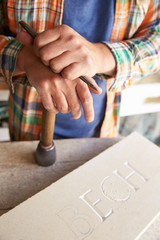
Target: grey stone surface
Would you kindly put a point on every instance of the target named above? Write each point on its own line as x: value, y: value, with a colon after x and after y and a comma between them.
x: 21, y: 177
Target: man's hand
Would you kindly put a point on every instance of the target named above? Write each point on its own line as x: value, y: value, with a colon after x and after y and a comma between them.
x: 57, y: 93
x: 71, y: 55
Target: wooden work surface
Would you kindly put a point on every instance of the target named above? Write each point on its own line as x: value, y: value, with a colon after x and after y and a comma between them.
x: 21, y: 177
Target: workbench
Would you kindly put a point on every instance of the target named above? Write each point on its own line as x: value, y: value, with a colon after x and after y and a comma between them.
x: 21, y: 177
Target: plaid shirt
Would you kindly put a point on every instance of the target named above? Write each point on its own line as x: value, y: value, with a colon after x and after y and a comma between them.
x: 135, y: 43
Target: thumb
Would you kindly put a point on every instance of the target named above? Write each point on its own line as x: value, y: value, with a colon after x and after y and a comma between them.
x: 24, y: 38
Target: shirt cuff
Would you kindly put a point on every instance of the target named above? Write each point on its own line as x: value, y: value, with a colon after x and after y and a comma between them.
x: 8, y: 57
x: 124, y: 62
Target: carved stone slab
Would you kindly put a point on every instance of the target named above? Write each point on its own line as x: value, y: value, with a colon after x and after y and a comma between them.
x: 114, y: 196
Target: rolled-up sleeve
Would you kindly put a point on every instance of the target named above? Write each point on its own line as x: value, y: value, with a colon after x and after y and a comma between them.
x: 137, y: 57
x: 9, y: 48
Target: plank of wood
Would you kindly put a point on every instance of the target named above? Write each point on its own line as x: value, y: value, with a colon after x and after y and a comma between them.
x: 114, y: 196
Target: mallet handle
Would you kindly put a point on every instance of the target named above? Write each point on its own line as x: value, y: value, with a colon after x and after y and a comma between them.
x: 48, y: 122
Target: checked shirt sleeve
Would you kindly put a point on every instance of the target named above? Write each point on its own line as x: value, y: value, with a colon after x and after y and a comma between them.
x: 137, y: 57
x: 9, y: 48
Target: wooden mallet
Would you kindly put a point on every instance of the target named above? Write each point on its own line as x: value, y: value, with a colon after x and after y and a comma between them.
x: 46, y: 152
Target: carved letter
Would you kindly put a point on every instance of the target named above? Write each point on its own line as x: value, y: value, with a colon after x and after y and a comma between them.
x: 126, y: 179
x: 114, y: 189
x: 79, y: 224
x: 92, y: 206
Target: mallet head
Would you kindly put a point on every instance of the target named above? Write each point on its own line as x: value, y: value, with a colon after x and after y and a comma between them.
x: 45, y: 156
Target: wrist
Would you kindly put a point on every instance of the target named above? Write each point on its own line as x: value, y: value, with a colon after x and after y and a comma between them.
x: 106, y: 60
x: 19, y: 63
x: 24, y: 55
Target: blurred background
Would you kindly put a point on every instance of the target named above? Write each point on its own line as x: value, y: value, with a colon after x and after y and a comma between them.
x: 140, y: 109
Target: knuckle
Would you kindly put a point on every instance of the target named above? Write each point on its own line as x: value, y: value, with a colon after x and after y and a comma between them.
x: 47, y: 104
x: 44, y: 86
x: 73, y: 40
x: 87, y: 99
x: 63, y: 109
x: 54, y: 67
x: 43, y: 54
x: 48, y: 107
x: 66, y: 74
x: 82, y: 50
x: 65, y: 29
x: 74, y: 107
x: 69, y: 33
x: 88, y: 61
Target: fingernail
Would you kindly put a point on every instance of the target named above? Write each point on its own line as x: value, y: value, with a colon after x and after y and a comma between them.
x: 76, y: 115
x: 90, y: 119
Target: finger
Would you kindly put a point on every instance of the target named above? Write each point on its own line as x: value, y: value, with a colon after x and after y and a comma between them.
x: 60, y: 38
x: 48, y: 103
x: 45, y: 38
x: 69, y: 62
x: 57, y: 48
x: 24, y: 38
x: 61, y: 102
x: 81, y: 65
x: 72, y: 71
x: 53, y: 34
x: 59, y: 63
x: 86, y: 101
x: 73, y: 103
x: 75, y: 69
x: 50, y: 51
